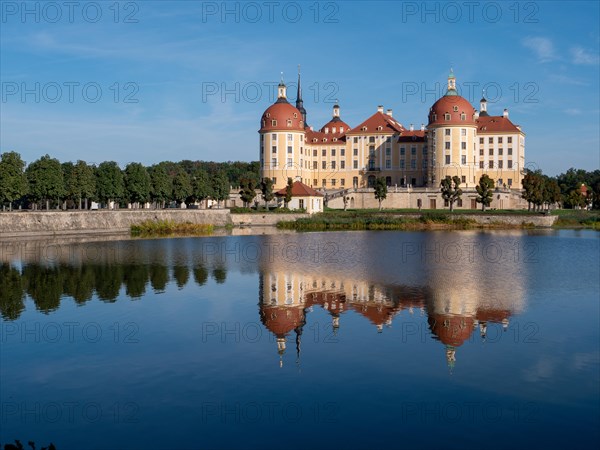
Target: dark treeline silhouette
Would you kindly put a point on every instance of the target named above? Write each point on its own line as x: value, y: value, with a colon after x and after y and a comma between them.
x: 49, y: 184
x: 47, y: 285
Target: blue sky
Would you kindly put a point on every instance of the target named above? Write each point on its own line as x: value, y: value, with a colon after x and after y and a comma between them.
x: 149, y: 81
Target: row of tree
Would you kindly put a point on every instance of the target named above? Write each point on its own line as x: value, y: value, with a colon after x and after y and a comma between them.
x: 73, y: 185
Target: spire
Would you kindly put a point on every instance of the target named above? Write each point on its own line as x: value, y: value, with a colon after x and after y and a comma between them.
x: 451, y: 84
x: 299, y: 102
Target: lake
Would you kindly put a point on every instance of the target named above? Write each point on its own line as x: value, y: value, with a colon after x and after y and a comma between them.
x: 349, y: 340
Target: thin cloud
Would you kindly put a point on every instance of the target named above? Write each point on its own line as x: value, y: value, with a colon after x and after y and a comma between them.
x: 582, y: 56
x: 542, y: 47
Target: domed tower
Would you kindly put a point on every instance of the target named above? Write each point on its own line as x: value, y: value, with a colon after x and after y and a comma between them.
x: 282, y: 140
x: 452, y: 131
x: 336, y: 125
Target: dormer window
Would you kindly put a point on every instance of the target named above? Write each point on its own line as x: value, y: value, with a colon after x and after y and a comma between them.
x: 379, y: 128
x: 326, y: 130
x: 334, y: 139
x: 301, y: 124
x: 455, y: 108
x: 364, y: 128
x: 295, y: 115
x: 264, y: 123
x: 434, y: 117
x: 341, y: 129
x: 333, y: 130
x: 446, y: 116
x: 268, y: 115
x: 289, y: 123
x: 463, y: 116
x: 273, y: 123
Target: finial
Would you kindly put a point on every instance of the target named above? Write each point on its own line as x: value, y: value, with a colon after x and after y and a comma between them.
x: 281, y: 77
x: 298, y: 69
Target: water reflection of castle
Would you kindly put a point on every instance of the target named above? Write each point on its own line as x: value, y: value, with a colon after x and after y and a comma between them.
x: 453, y: 311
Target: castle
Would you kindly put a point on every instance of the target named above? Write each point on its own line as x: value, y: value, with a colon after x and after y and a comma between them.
x: 458, y: 141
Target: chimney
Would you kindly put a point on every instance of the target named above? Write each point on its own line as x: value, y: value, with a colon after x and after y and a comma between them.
x: 326, y: 130
x: 380, y: 108
x: 389, y: 112
x: 505, y: 113
x: 476, y: 115
x: 412, y: 128
x: 422, y: 127
x: 311, y: 128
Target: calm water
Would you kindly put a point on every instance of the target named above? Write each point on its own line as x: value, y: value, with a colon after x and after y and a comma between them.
x: 319, y: 340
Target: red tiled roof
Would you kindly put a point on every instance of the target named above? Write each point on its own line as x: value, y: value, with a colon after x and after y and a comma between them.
x: 281, y: 112
x: 445, y: 105
x: 388, y: 125
x: 412, y: 136
x: 311, y: 135
x: 337, y: 124
x: 451, y: 330
x: 299, y: 189
x: 495, y: 124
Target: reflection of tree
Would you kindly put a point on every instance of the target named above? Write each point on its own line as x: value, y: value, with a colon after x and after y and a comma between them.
x: 136, y: 277
x: 219, y: 274
x: 78, y: 282
x: 200, y: 275
x: 181, y: 275
x: 159, y: 277
x: 44, y: 286
x: 108, y: 281
x: 11, y: 292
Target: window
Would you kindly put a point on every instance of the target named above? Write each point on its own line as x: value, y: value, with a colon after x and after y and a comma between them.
x: 388, y: 164
x: 323, y: 152
x: 333, y: 152
x: 273, y: 123
x: 490, y: 140
x: 424, y: 151
x: 314, y: 166
x: 491, y: 152
x: 274, y: 149
x: 447, y: 145
x: 447, y: 159
x: 323, y: 165
x: 274, y: 137
x: 301, y: 148
x: 455, y: 108
x: 355, y: 164
x: 500, y: 140
x: 509, y: 181
x: 481, y: 140
x: 355, y: 140
x: 463, y: 159
x: 424, y: 164
x: 459, y: 201
x: 509, y: 163
x: 333, y: 164
x: 388, y: 139
x: 500, y: 164
x: 463, y: 131
x: 447, y: 131
x: 491, y: 164
x: 402, y: 151
x: 289, y: 123
x: 463, y: 179
x: 290, y: 163
x: 500, y: 151
x: 402, y: 164
x: 315, y: 153
x: 371, y: 139
x: 342, y: 152
x: 446, y: 116
x: 481, y: 164
x: 333, y: 181
x: 388, y: 151
x: 289, y: 149
x: 301, y: 203
x: 290, y: 137
x: 413, y: 163
x: 480, y: 152
x: 509, y: 140
x: 342, y: 164
x: 463, y: 116
x: 274, y: 162
x: 413, y: 151
x: 510, y: 150
x: 324, y: 182
x: 342, y: 181
x: 274, y: 180
x: 355, y: 152
x: 315, y: 182
x: 372, y: 150
x: 463, y: 145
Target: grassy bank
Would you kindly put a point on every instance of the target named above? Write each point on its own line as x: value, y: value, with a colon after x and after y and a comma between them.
x: 150, y: 228
x: 572, y: 218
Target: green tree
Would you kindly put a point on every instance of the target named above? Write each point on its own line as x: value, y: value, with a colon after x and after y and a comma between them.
x: 45, y: 178
x: 182, y: 186
x: 266, y: 188
x: 532, y: 188
x: 161, y: 185
x: 137, y: 184
x: 109, y: 182
x: 288, y: 192
x: 13, y: 182
x: 220, y: 188
x: 201, y: 186
x: 451, y: 191
x: 551, y: 192
x: 485, y: 191
x: 248, y: 192
x: 87, y: 182
x: 380, y: 190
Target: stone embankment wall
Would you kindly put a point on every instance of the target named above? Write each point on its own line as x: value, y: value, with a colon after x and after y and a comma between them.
x: 264, y: 219
x: 24, y: 223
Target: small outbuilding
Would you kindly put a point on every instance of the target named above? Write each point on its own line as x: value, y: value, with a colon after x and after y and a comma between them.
x: 303, y: 197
